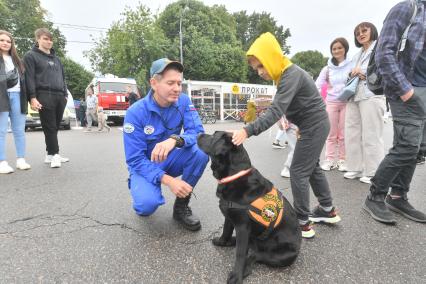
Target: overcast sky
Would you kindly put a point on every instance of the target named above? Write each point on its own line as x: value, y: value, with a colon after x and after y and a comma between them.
x: 313, y: 23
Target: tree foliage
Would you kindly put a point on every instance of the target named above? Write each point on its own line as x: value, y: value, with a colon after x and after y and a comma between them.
x: 211, y: 50
x: 76, y: 76
x: 21, y: 18
x: 312, y: 61
x: 213, y: 41
x: 130, y: 46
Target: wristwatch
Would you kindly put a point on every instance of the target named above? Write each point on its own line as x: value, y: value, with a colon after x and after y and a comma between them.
x: 179, y: 140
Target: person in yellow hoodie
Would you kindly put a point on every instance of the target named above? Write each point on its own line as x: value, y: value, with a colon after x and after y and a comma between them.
x: 298, y: 98
x: 251, y: 112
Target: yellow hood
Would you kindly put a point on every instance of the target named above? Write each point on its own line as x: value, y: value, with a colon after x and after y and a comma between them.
x: 268, y: 51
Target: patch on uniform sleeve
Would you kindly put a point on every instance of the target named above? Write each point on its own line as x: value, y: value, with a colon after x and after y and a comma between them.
x: 128, y: 128
x: 192, y: 108
x: 149, y: 129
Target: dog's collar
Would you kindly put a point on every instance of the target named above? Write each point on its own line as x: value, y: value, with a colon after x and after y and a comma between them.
x: 234, y: 177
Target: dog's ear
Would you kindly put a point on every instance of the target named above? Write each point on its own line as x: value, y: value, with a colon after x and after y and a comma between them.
x: 204, y: 142
x: 222, y: 143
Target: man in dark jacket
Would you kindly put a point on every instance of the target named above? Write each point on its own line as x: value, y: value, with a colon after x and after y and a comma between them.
x: 47, y: 91
x: 404, y: 84
x: 131, y: 96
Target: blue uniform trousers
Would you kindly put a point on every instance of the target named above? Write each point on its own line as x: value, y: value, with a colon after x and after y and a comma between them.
x: 187, y: 162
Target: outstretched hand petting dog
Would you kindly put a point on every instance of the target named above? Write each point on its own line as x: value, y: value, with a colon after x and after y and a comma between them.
x: 238, y: 136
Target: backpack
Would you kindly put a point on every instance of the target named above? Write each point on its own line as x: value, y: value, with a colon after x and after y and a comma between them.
x: 374, y: 78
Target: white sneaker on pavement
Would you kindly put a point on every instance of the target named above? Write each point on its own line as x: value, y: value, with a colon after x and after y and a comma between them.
x: 21, y: 164
x: 285, y: 172
x: 48, y: 159
x: 5, y: 168
x: 365, y: 179
x: 56, y: 161
x: 352, y: 175
x: 328, y: 165
x: 341, y: 166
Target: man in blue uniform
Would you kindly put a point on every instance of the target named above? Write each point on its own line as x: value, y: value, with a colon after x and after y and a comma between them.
x: 156, y: 150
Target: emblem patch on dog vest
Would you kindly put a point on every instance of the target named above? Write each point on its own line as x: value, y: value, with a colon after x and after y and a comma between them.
x: 267, y: 209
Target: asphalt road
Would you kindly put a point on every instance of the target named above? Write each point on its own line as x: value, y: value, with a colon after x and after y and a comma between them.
x: 76, y: 225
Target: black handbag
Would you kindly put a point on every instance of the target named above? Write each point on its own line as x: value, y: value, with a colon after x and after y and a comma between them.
x: 12, y: 78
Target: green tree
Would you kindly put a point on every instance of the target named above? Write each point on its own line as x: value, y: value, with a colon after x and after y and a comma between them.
x: 130, y: 46
x: 312, y: 61
x: 22, y: 17
x: 76, y: 76
x: 211, y: 50
x: 250, y: 27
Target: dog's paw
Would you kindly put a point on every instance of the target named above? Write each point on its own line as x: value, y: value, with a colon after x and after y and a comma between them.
x: 251, y: 259
x: 233, y: 278
x: 220, y: 242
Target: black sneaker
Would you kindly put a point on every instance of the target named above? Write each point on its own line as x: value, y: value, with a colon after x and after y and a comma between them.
x: 320, y: 215
x: 277, y: 145
x: 375, y: 206
x: 403, y: 207
x: 420, y: 159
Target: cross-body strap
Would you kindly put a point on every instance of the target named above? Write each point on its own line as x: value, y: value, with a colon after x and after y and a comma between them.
x: 404, y: 37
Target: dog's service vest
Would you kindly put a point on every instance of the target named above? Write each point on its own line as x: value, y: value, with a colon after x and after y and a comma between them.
x: 267, y: 210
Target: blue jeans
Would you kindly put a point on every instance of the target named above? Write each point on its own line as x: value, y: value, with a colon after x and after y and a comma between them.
x: 17, y: 120
x: 189, y: 162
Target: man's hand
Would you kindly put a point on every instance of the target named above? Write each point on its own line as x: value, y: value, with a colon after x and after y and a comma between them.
x: 162, y: 150
x: 407, y: 96
x: 35, y: 105
x: 179, y: 187
x: 239, y: 136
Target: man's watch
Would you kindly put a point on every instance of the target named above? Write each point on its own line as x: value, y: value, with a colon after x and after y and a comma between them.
x: 180, y: 142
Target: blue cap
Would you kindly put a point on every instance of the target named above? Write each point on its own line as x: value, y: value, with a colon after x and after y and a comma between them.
x: 159, y: 65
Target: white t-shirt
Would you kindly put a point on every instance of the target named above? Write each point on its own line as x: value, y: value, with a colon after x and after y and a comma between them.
x: 8, y: 64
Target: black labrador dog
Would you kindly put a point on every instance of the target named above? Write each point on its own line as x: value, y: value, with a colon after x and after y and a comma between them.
x: 263, y: 219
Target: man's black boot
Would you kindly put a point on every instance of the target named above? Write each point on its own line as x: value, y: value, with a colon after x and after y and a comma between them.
x: 376, y: 207
x: 183, y: 214
x: 401, y: 205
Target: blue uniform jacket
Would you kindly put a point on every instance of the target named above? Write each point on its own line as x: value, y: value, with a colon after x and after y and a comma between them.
x: 147, y: 124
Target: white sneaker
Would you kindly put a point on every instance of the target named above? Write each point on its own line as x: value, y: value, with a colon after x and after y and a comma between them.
x: 341, y: 166
x: 5, y: 168
x: 352, y: 175
x: 48, y: 159
x: 56, y: 161
x: 21, y: 164
x: 365, y: 179
x: 285, y: 172
x: 328, y: 165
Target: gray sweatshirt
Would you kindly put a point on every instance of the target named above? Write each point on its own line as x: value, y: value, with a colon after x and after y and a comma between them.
x: 298, y: 98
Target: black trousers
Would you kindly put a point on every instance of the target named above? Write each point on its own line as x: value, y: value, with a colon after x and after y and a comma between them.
x: 397, y: 168
x: 53, y: 106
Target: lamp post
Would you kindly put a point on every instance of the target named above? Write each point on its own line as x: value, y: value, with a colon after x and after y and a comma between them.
x: 180, y: 34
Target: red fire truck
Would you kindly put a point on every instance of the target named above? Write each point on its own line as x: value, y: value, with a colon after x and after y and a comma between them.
x: 111, y: 93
